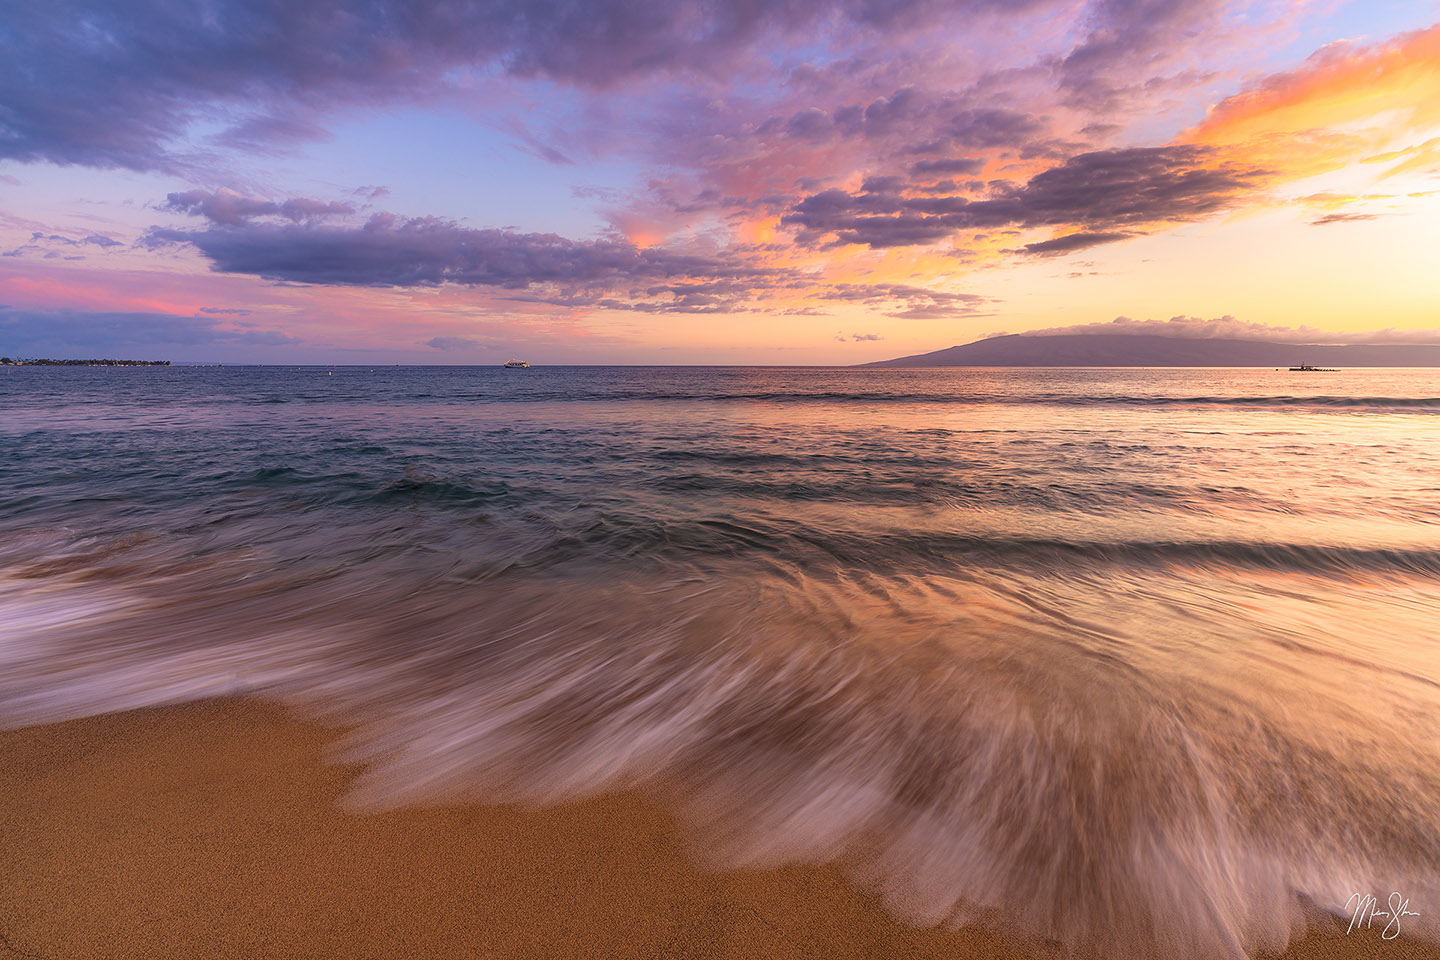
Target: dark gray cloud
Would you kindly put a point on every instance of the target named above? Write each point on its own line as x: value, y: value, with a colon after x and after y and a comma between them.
x: 1071, y: 242
x: 1099, y: 190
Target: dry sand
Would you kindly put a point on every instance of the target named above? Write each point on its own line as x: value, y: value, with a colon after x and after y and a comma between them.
x: 212, y: 830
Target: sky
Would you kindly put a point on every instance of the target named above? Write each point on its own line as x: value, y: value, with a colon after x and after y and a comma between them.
x: 699, y: 181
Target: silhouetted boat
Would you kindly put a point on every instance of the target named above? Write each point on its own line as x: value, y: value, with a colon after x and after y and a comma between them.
x: 516, y: 363
x: 1306, y: 368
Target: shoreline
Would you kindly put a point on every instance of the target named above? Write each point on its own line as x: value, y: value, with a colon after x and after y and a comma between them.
x: 215, y: 829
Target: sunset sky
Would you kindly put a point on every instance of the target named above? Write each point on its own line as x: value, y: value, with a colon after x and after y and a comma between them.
x: 631, y: 181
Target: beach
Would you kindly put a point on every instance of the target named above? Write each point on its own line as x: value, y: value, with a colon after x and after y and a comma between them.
x: 829, y: 478
x: 219, y: 829
x: 658, y: 662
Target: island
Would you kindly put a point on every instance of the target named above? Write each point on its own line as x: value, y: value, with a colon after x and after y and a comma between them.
x: 46, y: 362
x: 1148, y: 350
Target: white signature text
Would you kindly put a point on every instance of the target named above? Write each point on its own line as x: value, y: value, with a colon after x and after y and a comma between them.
x: 1367, y: 908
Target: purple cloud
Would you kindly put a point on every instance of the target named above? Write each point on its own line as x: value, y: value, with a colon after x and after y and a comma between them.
x: 608, y: 273
x: 1124, y: 35
x: 116, y: 85
x: 1096, y: 190
x: 907, y: 300
x: 953, y: 165
x: 233, y: 209
x: 40, y: 241
x: 387, y: 250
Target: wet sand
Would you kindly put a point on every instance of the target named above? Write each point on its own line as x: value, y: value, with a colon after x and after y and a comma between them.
x: 216, y: 830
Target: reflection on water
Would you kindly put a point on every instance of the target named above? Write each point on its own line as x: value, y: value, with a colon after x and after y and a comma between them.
x: 1138, y: 661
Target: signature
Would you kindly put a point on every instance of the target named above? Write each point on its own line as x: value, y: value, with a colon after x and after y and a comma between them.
x: 1367, y: 908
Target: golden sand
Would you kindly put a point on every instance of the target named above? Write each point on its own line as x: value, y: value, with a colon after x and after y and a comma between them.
x: 215, y: 830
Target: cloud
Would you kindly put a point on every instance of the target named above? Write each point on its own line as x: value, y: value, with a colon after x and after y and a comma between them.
x: 424, y: 251
x: 43, y: 244
x: 263, y: 134
x: 961, y: 165
x: 232, y: 208
x: 391, y: 251
x: 1342, y: 218
x: 1346, y: 103
x: 119, y: 85
x: 1072, y: 242
x: 1229, y: 328
x: 906, y: 300
x: 1095, y: 190
x: 530, y: 268
x: 66, y: 332
x: 452, y: 343
x: 1128, y: 41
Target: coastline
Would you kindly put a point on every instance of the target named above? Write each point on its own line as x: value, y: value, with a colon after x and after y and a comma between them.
x: 215, y: 829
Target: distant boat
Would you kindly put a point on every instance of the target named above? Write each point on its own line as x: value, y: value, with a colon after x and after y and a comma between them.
x: 1306, y: 368
x: 512, y: 362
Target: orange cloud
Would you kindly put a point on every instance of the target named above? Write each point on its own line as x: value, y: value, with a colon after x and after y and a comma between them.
x: 1342, y: 104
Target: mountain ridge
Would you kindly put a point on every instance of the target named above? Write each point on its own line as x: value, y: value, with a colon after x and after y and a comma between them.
x: 1149, y: 350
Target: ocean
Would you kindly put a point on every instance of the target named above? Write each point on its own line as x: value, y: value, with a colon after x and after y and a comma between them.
x: 1137, y: 661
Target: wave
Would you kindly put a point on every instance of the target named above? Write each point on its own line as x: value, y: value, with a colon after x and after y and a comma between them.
x: 1139, y: 690
x: 1415, y: 404
x: 971, y: 750
x: 820, y: 552
x: 957, y: 395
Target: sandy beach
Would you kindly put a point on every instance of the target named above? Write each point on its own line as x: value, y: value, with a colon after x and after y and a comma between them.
x: 216, y: 829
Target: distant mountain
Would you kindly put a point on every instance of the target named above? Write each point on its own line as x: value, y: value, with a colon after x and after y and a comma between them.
x: 1140, y: 350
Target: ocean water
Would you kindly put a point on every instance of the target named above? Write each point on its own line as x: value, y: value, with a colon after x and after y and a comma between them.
x: 1143, y: 662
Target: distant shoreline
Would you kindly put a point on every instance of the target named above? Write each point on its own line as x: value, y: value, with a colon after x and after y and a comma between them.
x: 46, y: 362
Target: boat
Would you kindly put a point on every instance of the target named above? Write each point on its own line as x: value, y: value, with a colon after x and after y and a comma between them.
x: 517, y: 364
x: 1306, y: 368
